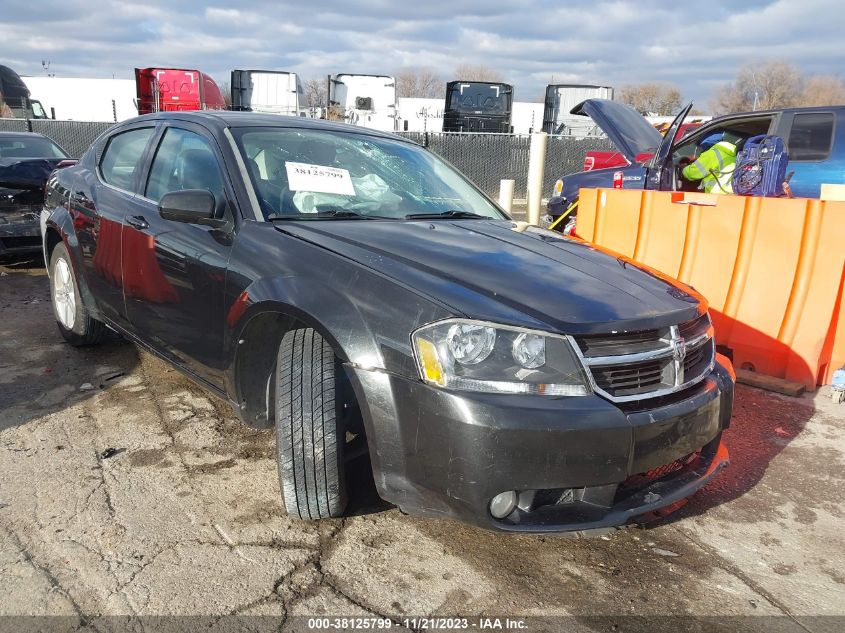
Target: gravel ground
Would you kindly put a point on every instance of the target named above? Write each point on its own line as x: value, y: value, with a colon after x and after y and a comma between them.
x: 127, y: 490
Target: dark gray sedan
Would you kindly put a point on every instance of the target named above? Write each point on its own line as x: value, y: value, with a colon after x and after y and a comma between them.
x: 354, y: 291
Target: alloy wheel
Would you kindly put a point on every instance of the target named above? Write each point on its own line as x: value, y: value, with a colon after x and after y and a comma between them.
x: 64, y: 295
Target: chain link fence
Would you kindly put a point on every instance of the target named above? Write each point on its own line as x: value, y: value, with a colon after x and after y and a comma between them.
x: 485, y: 159
x: 74, y: 136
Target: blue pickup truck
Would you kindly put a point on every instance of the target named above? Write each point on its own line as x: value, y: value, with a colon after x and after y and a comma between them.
x: 815, y: 141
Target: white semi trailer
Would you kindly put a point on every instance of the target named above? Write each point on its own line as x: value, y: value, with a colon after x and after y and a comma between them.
x: 85, y: 99
x: 561, y: 98
x: 271, y: 91
x: 365, y: 100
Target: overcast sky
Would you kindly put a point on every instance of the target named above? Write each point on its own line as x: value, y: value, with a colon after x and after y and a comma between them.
x: 696, y: 45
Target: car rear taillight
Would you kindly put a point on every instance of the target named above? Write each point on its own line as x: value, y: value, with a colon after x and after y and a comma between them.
x: 589, y: 163
x: 618, y: 179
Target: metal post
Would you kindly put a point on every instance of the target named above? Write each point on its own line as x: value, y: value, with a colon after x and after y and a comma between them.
x: 506, y: 194
x: 536, y: 165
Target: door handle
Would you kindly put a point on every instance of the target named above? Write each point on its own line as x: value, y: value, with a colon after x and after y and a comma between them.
x: 138, y: 222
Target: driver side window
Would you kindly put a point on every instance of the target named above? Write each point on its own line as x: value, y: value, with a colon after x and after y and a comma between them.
x: 184, y: 160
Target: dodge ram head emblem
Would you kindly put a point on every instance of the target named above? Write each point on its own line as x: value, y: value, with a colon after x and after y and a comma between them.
x: 679, y: 353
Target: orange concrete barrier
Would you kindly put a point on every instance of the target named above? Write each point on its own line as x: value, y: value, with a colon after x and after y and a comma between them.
x: 773, y: 269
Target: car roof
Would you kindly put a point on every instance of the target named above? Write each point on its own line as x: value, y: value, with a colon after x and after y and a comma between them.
x: 217, y: 120
x: 796, y: 110
x: 4, y: 134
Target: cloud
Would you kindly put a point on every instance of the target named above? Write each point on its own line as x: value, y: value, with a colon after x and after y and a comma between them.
x: 533, y: 42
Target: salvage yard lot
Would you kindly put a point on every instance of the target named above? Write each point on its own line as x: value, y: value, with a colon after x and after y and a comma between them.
x: 126, y: 489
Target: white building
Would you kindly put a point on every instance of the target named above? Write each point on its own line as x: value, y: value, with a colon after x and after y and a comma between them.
x: 83, y: 99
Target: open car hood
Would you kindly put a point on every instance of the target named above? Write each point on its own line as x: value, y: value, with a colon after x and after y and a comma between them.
x: 628, y: 129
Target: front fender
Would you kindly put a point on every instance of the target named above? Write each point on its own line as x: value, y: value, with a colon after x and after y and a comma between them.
x: 366, y: 318
x: 333, y: 315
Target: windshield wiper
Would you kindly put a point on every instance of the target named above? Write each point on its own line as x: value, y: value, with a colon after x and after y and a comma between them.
x: 332, y: 213
x: 446, y: 214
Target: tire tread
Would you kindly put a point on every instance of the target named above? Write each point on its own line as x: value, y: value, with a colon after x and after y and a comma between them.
x: 308, y: 438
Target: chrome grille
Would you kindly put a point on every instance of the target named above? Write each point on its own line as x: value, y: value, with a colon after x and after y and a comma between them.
x: 650, y: 363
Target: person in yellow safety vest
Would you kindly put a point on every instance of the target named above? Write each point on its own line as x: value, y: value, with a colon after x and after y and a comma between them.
x: 715, y: 166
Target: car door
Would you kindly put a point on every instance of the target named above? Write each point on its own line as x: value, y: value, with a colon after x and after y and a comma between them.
x: 661, y: 172
x: 174, y: 272
x: 809, y: 138
x: 98, y: 202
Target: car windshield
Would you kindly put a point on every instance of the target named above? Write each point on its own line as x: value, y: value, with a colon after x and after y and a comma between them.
x: 29, y: 148
x: 317, y: 174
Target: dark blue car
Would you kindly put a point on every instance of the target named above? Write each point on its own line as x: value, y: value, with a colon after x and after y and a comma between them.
x: 815, y: 140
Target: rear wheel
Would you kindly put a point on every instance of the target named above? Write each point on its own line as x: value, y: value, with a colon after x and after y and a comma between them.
x: 309, y: 434
x: 73, y: 319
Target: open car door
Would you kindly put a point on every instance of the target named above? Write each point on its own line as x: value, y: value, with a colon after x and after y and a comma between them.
x: 661, y: 176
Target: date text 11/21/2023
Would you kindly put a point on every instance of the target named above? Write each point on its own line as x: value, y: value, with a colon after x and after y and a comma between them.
x: 425, y: 623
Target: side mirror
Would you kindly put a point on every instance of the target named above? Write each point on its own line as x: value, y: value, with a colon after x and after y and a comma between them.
x: 192, y: 206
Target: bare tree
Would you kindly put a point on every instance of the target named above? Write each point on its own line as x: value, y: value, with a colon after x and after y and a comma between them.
x: 477, y: 72
x: 652, y: 98
x: 316, y: 92
x: 419, y: 82
x: 823, y: 90
x: 226, y: 91
x: 761, y: 86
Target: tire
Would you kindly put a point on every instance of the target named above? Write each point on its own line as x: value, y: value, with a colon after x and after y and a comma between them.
x: 73, y: 318
x: 309, y: 437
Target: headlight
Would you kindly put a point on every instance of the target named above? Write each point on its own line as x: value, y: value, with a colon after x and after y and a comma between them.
x: 558, y: 187
x: 478, y: 356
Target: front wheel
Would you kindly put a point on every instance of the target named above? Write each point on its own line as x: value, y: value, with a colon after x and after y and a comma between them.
x: 309, y: 434
x: 75, y: 323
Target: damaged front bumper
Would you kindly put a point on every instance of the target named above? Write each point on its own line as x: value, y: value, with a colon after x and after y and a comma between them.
x: 20, y: 230
x: 577, y: 463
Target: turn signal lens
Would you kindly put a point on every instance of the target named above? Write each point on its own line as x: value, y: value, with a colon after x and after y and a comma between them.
x: 431, y: 366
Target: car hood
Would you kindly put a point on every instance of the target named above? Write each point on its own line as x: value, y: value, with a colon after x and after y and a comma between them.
x: 487, y: 270
x: 26, y: 173
x: 628, y: 129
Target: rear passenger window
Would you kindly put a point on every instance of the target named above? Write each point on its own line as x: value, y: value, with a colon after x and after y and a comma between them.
x: 811, y: 136
x: 122, y: 157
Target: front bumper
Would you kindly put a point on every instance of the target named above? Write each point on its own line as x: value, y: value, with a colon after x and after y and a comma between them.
x: 442, y: 453
x: 20, y: 230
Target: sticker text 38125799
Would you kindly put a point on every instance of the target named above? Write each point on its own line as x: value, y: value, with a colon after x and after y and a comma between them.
x: 319, y: 179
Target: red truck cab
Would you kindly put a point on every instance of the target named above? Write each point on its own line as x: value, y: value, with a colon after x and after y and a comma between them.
x: 169, y: 89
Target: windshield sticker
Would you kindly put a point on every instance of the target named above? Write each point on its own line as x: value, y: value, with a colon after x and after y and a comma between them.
x: 319, y: 179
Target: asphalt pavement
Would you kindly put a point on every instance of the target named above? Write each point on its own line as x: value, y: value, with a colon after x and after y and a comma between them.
x: 125, y: 490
